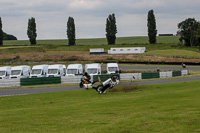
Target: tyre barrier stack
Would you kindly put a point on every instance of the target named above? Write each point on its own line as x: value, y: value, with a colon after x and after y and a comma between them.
x: 76, y: 79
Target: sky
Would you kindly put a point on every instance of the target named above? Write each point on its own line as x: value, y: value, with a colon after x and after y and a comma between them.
x: 90, y: 16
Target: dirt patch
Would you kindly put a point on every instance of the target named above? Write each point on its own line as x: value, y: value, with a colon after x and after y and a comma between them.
x: 85, y: 56
x: 125, y: 89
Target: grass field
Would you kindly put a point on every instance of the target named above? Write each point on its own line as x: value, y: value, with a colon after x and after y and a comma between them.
x: 172, y: 107
x: 99, y: 41
x: 168, y: 49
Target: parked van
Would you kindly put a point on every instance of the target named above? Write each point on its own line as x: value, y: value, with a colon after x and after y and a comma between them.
x: 5, y: 72
x: 39, y: 71
x: 64, y: 70
x: 20, y: 72
x: 112, y: 68
x: 74, y: 69
x: 93, y: 69
x: 55, y: 70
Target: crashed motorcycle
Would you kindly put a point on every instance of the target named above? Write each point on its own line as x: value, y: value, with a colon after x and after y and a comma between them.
x: 103, y: 86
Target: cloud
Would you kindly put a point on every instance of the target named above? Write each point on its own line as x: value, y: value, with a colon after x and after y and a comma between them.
x: 90, y: 16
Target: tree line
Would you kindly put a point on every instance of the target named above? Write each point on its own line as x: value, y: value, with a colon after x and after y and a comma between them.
x: 189, y: 30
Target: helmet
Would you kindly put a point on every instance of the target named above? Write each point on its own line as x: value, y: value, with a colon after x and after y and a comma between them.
x: 85, y: 74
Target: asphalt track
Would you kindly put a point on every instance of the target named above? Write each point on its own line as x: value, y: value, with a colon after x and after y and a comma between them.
x: 24, y: 91
x: 161, y: 67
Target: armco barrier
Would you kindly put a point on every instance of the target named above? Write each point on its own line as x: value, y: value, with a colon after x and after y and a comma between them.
x: 40, y: 81
x: 149, y: 75
x: 176, y: 73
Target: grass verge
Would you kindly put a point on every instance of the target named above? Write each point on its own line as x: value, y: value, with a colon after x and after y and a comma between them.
x: 171, y: 107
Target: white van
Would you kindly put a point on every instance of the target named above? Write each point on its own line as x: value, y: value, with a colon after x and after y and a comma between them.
x: 20, y: 72
x: 55, y: 70
x: 74, y: 69
x: 64, y: 70
x: 5, y: 72
x: 112, y: 68
x: 39, y: 71
x: 93, y: 69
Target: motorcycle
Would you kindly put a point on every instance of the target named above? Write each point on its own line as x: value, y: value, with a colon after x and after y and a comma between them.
x: 103, y: 86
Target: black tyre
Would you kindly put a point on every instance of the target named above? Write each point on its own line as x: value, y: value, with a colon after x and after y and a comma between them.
x: 81, y: 85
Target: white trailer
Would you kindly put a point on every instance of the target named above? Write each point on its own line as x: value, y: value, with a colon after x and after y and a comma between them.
x: 93, y: 69
x: 5, y: 72
x: 97, y: 51
x: 112, y: 68
x: 20, y: 72
x: 55, y: 70
x: 74, y: 69
x: 39, y: 71
x: 127, y: 50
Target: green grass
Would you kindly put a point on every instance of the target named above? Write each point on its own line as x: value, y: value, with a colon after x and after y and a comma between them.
x: 172, y: 107
x: 175, y: 53
x: 99, y: 41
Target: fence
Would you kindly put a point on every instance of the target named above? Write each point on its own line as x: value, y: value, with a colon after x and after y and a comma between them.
x: 76, y: 79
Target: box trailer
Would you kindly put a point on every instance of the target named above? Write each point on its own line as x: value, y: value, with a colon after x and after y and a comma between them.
x: 55, y: 70
x: 97, y: 51
x: 39, y: 71
x: 74, y: 69
x: 5, y: 72
x: 20, y: 72
x: 112, y: 68
x: 93, y: 69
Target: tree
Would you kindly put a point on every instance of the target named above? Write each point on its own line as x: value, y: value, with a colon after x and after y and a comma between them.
x: 31, y: 31
x: 197, y: 34
x: 111, y: 29
x: 8, y: 37
x: 151, y: 24
x: 1, y: 33
x: 71, y: 31
x: 188, y: 29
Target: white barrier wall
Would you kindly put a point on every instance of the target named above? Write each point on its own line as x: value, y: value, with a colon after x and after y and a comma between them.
x: 76, y: 79
x: 184, y: 72
x: 9, y: 82
x: 130, y: 76
x: 70, y: 79
x: 166, y: 74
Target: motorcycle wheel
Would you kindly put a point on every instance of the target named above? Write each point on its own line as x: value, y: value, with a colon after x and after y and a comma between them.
x: 81, y: 85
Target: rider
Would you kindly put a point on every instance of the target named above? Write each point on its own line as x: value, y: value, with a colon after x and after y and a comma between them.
x: 86, y: 78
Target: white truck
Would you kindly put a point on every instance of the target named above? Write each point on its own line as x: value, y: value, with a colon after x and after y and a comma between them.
x: 93, y: 69
x: 74, y: 69
x: 55, y: 70
x: 39, y: 71
x: 112, y: 68
x: 5, y: 72
x: 20, y: 72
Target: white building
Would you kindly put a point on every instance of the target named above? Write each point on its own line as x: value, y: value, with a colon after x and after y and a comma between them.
x: 127, y: 50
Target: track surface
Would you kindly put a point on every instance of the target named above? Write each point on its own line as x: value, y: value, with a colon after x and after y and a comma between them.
x: 18, y: 91
x: 161, y: 67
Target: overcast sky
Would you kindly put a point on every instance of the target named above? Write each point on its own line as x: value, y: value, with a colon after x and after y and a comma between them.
x: 90, y: 16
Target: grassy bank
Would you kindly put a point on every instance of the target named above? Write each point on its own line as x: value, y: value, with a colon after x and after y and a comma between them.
x: 171, y: 107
